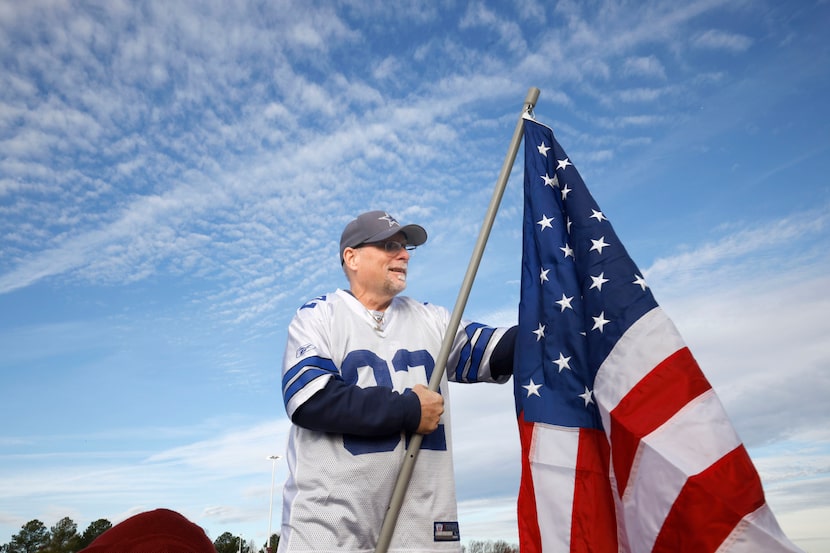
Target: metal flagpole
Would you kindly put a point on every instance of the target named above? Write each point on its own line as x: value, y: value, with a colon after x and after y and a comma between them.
x: 405, y: 474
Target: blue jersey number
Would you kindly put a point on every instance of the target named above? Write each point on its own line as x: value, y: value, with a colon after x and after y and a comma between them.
x: 401, y: 361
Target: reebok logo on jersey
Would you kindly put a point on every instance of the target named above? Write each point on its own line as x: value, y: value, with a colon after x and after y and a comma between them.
x: 446, y: 531
x: 302, y: 350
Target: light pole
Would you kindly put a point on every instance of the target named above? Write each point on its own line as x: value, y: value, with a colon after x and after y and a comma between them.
x: 274, y: 459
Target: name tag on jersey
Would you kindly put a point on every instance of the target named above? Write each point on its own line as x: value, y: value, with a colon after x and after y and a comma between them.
x: 446, y: 531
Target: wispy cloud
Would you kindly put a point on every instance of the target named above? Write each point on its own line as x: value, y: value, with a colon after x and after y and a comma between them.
x: 740, y: 302
x: 121, y: 478
x: 644, y: 66
x: 762, y: 240
x: 147, y: 234
x: 719, y: 40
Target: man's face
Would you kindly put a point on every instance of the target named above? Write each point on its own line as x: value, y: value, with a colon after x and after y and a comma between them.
x: 382, y: 272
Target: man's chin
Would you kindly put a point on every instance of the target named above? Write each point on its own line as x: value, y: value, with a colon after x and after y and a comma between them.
x: 396, y: 287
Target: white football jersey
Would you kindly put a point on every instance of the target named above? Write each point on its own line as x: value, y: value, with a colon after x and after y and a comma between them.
x: 339, y: 486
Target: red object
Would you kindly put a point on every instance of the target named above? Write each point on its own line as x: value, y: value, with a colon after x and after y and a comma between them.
x: 159, y: 531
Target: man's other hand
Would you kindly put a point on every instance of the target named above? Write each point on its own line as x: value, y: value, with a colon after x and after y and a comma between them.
x: 432, y: 407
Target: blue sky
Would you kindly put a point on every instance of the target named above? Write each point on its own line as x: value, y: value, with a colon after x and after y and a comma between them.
x: 174, y: 178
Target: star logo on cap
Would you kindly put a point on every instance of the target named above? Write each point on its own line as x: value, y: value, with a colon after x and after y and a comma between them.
x: 389, y: 219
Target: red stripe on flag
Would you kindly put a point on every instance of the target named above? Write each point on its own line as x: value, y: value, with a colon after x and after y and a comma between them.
x: 648, y: 405
x: 529, y: 535
x: 594, y: 526
x: 711, y: 504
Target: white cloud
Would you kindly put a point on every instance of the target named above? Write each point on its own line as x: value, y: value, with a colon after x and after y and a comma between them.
x: 101, y: 484
x: 531, y: 10
x: 644, y: 66
x: 509, y: 32
x: 720, y: 40
x: 770, y: 236
x: 642, y: 94
x: 742, y: 316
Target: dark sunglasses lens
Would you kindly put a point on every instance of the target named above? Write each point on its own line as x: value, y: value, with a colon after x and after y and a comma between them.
x: 393, y: 247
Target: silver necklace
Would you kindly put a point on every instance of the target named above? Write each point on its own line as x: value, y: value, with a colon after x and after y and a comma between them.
x: 378, y: 317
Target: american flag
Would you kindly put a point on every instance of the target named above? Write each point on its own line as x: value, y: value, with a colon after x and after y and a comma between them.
x: 626, y: 446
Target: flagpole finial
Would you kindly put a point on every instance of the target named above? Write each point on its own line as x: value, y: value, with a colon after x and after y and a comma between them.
x: 531, y: 99
x: 532, y: 96
x: 530, y: 102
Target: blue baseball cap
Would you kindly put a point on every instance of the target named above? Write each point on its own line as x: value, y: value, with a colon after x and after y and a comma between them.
x: 374, y: 226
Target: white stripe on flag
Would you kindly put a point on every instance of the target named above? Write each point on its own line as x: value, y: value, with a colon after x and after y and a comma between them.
x: 758, y: 531
x: 552, y: 459
x: 697, y: 436
x: 646, y: 344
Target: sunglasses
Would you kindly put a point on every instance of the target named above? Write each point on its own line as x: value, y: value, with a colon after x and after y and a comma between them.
x: 390, y: 246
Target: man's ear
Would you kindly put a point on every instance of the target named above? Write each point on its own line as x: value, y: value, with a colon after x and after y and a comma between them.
x: 350, y: 258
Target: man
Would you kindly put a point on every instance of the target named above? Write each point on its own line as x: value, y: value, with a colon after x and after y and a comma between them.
x: 355, y: 374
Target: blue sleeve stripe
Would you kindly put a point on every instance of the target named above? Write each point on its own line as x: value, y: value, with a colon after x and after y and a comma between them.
x: 322, y: 363
x: 304, y: 372
x: 299, y: 383
x: 465, y: 351
x: 478, y: 352
x: 473, y: 352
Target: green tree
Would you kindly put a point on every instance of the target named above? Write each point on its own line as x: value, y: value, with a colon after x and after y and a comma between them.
x: 228, y: 543
x: 33, y: 537
x: 63, y: 537
x: 92, y: 531
x: 274, y: 542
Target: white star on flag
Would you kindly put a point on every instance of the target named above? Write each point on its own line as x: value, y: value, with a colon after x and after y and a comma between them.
x: 563, y: 362
x: 543, y: 276
x: 597, y: 215
x: 543, y: 149
x: 552, y: 182
x: 598, y: 245
x: 565, y: 303
x: 545, y: 222
x: 532, y: 389
x: 539, y: 332
x: 598, y: 281
x: 599, y: 321
x: 588, y: 396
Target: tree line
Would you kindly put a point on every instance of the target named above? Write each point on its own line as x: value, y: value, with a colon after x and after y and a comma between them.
x: 63, y: 537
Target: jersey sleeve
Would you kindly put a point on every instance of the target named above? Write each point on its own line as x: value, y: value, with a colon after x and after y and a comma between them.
x: 307, y: 364
x: 473, y: 349
x: 347, y: 409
